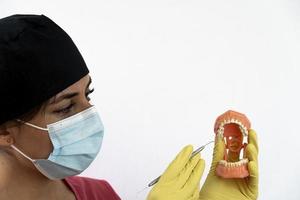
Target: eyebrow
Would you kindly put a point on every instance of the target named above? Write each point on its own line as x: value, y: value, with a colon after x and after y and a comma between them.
x: 70, y: 95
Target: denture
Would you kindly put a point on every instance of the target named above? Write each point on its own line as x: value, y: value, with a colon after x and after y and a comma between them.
x: 233, y: 127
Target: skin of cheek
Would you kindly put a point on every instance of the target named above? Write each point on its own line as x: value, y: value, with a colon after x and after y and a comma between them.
x: 33, y: 142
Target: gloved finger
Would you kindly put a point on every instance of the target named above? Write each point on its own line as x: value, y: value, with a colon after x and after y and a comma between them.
x: 176, y: 166
x: 253, y: 171
x: 186, y: 172
x: 194, y: 179
x: 252, y: 139
x: 219, y: 151
x: 251, y: 152
x: 196, y: 193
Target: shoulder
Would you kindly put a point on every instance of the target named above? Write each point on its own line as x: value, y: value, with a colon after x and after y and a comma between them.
x: 91, y: 189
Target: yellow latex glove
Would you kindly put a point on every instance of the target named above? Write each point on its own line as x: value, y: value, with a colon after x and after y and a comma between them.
x: 217, y: 188
x: 181, y: 179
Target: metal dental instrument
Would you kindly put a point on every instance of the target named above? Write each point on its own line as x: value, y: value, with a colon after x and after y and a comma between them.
x: 193, y: 154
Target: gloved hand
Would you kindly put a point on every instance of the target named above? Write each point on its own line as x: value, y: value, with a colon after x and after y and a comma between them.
x: 217, y: 188
x: 181, y: 179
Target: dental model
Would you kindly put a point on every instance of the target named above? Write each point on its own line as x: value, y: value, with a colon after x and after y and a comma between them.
x: 233, y: 127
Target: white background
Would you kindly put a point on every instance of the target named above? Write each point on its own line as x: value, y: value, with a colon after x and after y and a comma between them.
x: 164, y: 70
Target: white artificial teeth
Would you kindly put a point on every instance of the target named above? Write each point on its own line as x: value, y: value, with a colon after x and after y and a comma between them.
x: 234, y: 164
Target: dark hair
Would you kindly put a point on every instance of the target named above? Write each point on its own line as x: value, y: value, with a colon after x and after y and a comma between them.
x: 25, y: 117
x: 29, y: 115
x: 40, y: 107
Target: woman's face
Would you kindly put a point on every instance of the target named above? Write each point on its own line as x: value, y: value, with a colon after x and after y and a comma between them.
x: 36, y: 143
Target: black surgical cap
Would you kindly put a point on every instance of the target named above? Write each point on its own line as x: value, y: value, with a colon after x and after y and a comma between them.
x: 38, y: 59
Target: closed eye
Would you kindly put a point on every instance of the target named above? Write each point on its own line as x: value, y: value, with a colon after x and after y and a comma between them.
x: 65, y: 110
x: 68, y: 108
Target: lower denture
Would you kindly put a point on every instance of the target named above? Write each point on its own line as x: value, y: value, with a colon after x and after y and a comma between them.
x: 232, y: 170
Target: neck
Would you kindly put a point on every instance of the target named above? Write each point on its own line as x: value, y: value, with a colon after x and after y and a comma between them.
x: 20, y: 178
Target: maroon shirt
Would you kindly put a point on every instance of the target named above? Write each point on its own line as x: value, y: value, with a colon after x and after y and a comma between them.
x: 91, y: 189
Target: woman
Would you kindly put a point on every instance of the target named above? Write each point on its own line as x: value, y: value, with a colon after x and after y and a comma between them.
x: 44, y: 109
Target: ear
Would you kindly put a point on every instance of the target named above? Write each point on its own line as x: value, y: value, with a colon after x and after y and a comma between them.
x: 6, y: 138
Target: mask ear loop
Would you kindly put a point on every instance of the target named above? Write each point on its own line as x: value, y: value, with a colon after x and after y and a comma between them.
x: 32, y: 125
x: 15, y: 148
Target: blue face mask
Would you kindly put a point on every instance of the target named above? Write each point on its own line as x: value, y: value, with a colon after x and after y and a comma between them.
x: 76, y: 142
